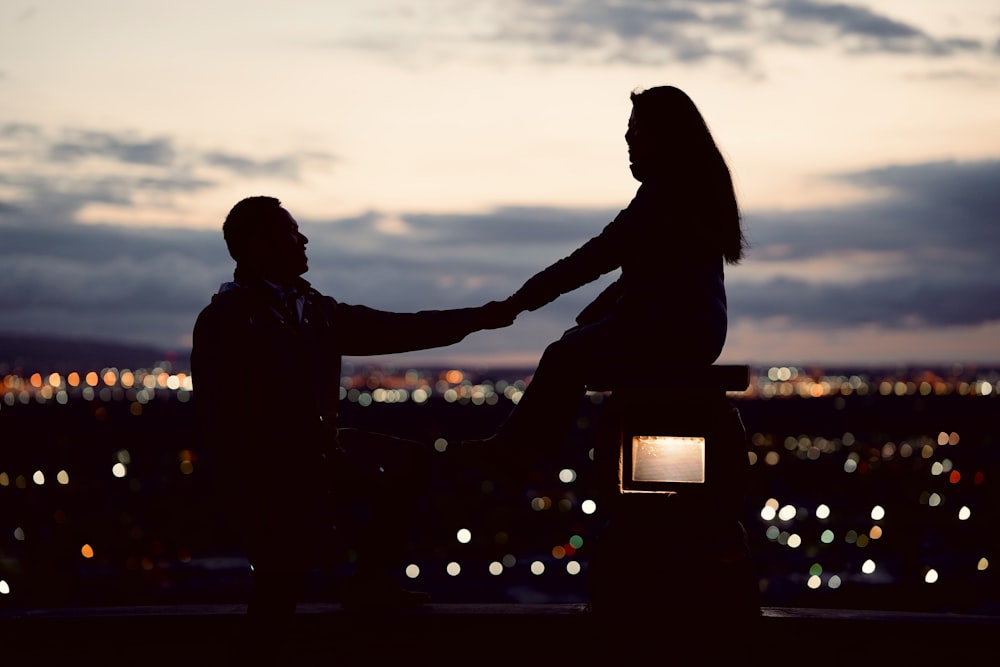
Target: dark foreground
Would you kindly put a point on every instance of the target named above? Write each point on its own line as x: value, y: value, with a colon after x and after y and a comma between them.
x: 492, y: 634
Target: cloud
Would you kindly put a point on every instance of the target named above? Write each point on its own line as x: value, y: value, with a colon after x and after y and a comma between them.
x: 83, y: 144
x: 862, y: 30
x: 922, y: 252
x: 918, y: 255
x: 146, y: 285
x: 44, y: 200
x: 60, y: 172
x: 287, y: 167
x: 631, y: 31
x: 112, y: 283
x: 562, y: 31
x: 542, y: 226
x: 26, y: 14
x: 446, y: 260
x: 647, y: 34
x: 929, y: 210
x: 903, y: 302
x: 104, y: 149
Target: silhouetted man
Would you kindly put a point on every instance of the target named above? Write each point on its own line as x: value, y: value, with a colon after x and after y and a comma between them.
x: 266, y: 361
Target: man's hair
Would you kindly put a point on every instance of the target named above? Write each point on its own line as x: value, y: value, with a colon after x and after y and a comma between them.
x: 246, y: 221
x: 685, y: 149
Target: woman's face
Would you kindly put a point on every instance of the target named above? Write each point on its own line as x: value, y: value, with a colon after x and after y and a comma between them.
x: 632, y: 136
x: 638, y: 147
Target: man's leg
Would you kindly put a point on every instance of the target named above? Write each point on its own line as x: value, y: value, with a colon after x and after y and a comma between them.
x: 270, y: 617
x: 378, y: 488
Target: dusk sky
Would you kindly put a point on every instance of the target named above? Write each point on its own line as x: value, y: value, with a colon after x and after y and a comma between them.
x: 438, y: 153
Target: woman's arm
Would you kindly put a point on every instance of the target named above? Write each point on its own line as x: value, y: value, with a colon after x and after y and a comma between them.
x: 599, y: 255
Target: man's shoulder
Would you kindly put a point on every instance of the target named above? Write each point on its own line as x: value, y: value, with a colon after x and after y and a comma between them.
x: 232, y: 293
x: 228, y: 296
x: 231, y: 300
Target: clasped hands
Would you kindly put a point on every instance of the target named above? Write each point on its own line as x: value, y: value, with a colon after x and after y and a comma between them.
x: 499, y: 314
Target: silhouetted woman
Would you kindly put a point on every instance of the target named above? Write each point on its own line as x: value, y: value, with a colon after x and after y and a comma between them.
x: 668, y: 307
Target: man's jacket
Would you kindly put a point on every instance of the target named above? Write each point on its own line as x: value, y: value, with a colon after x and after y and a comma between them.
x: 267, y: 387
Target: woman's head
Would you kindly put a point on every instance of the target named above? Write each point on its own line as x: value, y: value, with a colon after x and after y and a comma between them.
x: 667, y: 130
x: 669, y: 140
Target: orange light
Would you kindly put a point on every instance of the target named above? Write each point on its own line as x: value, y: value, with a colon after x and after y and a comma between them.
x: 87, y: 551
x: 954, y: 477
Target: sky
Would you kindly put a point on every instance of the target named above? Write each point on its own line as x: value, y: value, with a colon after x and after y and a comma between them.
x: 439, y: 153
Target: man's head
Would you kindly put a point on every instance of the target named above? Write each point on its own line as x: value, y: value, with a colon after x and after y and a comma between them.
x: 264, y: 239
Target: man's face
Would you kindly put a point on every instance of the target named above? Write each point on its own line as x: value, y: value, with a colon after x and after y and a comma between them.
x: 284, y: 247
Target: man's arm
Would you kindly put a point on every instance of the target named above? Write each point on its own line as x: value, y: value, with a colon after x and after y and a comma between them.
x: 366, y: 331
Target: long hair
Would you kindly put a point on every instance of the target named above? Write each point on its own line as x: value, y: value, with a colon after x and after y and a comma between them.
x: 681, y: 148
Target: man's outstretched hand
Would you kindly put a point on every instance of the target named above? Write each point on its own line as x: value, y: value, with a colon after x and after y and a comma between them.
x: 498, y: 314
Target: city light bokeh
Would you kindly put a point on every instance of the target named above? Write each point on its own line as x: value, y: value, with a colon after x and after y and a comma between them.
x: 845, y: 513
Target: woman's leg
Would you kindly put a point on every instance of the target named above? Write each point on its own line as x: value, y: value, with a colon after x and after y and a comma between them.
x: 548, y: 406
